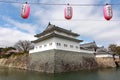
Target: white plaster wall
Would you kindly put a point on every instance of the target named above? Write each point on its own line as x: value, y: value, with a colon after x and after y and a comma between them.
x: 68, y: 43
x: 54, y: 45
x: 104, y: 55
x: 117, y: 57
x: 37, y: 47
x: 45, y: 45
x: 86, y: 51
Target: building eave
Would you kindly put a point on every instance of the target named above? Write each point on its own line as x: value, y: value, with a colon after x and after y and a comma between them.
x: 55, y: 35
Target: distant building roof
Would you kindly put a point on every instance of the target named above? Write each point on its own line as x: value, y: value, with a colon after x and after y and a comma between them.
x: 101, y: 49
x: 88, y: 45
x: 51, y: 28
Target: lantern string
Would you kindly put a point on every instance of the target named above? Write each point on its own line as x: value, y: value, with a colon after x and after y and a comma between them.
x: 78, y: 20
x: 118, y: 4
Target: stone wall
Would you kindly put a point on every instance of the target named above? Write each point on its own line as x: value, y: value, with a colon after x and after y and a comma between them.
x: 66, y: 61
x: 42, y: 61
x: 19, y: 61
x: 105, y: 62
x: 56, y: 61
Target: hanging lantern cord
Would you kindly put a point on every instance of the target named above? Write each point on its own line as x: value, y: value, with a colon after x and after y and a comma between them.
x: 117, y: 4
x: 107, y: 4
x: 68, y: 4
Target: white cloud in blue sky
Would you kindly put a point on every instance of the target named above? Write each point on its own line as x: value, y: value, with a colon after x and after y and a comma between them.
x: 14, y: 28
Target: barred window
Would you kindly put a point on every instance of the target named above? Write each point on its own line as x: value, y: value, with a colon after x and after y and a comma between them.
x: 65, y: 45
x: 45, y: 45
x: 36, y: 47
x: 50, y: 44
x: 40, y: 46
x: 71, y: 46
x: 58, y: 44
x: 77, y: 47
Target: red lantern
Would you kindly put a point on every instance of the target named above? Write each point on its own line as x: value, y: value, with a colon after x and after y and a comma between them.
x: 25, y: 11
x: 68, y: 12
x: 107, y: 12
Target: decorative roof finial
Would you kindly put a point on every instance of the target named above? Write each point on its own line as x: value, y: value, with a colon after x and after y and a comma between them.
x: 93, y: 41
x: 49, y: 23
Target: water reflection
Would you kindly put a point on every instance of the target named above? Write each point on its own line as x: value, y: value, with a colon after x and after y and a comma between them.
x: 17, y: 74
x: 109, y: 74
x: 101, y: 74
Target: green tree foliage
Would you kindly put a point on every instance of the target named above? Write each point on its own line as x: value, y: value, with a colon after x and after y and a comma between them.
x: 23, y: 46
x: 118, y: 50
x: 4, y: 50
x: 1, y: 49
x: 114, y: 48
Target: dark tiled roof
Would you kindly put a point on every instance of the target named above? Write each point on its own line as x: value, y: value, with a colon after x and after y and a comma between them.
x: 56, y: 35
x: 89, y: 45
x: 51, y: 28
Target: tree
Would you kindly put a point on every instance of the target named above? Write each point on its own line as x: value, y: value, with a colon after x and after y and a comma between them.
x: 1, y: 49
x: 114, y: 48
x: 23, y: 46
x: 4, y: 50
x: 118, y: 50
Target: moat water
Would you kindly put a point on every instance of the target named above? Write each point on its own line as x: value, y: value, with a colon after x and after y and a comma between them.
x: 100, y: 74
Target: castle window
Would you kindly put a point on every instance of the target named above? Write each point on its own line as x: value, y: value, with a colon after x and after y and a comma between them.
x: 58, y: 44
x: 77, y: 47
x: 40, y: 46
x: 71, y: 46
x: 45, y: 45
x: 36, y: 47
x: 50, y: 44
x: 65, y: 45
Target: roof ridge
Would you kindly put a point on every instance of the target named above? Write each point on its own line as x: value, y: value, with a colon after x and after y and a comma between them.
x: 52, y: 27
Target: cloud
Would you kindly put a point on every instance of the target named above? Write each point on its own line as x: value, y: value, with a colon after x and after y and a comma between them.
x: 10, y: 36
x: 110, y: 35
x: 88, y: 21
x: 28, y: 27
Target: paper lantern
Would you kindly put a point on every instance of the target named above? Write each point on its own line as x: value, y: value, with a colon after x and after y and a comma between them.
x: 107, y: 12
x: 68, y: 12
x: 25, y: 11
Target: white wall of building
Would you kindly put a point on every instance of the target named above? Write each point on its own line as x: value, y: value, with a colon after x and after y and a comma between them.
x: 59, y: 44
x: 117, y: 56
x: 66, y: 44
x: 104, y: 55
x: 44, y: 45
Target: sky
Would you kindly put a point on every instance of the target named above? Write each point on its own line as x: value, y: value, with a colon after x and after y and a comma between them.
x: 88, y: 21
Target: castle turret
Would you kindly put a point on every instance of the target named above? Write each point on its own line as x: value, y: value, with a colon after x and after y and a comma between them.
x: 54, y: 37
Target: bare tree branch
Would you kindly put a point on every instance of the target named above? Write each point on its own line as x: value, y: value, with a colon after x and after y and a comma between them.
x: 23, y: 46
